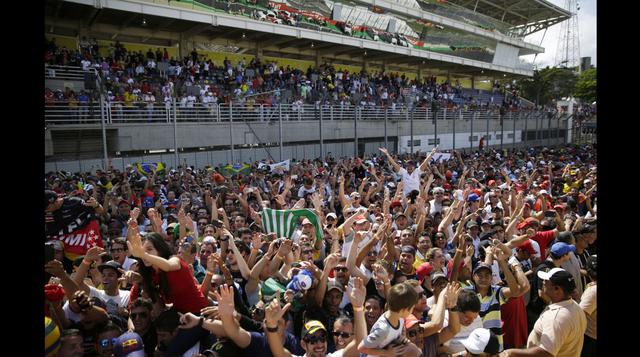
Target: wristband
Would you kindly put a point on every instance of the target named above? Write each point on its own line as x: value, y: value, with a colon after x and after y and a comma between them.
x: 201, y: 322
x: 360, y: 308
x: 271, y: 329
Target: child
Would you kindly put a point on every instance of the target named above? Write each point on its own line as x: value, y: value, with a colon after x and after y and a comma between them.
x: 388, y: 330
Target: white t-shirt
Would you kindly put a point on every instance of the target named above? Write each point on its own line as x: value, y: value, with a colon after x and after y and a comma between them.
x: 411, y: 182
x: 382, y: 334
x: 122, y: 299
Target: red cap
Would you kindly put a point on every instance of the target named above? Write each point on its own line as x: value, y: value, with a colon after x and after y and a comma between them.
x: 218, y: 179
x: 527, y: 222
x: 359, y: 219
x: 423, y: 271
x: 558, y: 207
x: 545, y: 185
x: 527, y: 246
x: 410, y: 320
x: 396, y: 204
x: 491, y: 182
x: 446, y: 186
x: 448, y: 175
x: 477, y: 191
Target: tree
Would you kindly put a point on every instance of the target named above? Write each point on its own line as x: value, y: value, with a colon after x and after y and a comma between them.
x: 548, y: 84
x: 586, y: 85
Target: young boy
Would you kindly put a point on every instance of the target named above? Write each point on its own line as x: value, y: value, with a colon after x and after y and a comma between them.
x: 386, y: 337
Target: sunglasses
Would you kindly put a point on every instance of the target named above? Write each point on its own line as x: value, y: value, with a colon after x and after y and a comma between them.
x: 342, y: 334
x: 142, y: 315
x: 307, y: 251
x: 341, y: 269
x: 313, y: 339
x: 106, y: 342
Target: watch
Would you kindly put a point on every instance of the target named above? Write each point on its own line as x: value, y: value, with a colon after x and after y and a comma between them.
x: 271, y: 329
x: 201, y: 322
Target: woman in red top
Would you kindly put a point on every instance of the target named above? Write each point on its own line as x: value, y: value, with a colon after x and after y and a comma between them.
x: 168, y: 278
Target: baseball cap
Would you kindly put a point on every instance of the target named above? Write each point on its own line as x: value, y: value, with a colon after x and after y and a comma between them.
x: 396, y: 204
x: 306, y: 221
x: 312, y: 327
x: 123, y: 201
x: 527, y: 246
x: 111, y: 264
x: 560, y: 277
x: 334, y: 284
x: 473, y: 198
x: 438, y: 190
x: 486, y: 221
x: 482, y: 340
x: 423, y: 271
x: 491, y: 182
x: 472, y: 223
x: 129, y: 345
x: 561, y: 248
x: 527, y: 222
x: 543, y: 192
x: 557, y: 207
x: 208, y: 240
x: 482, y: 266
x: 360, y: 219
x: 410, y: 321
x: 332, y: 215
x: 354, y: 194
x: 398, y: 215
x: 437, y: 276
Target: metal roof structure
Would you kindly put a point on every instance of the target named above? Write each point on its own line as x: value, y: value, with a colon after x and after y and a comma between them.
x: 526, y: 16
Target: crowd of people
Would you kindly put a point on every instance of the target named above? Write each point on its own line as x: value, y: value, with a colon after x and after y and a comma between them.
x: 485, y: 253
x: 135, y: 79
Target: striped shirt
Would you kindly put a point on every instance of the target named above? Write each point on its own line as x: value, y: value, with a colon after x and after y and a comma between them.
x: 490, y: 310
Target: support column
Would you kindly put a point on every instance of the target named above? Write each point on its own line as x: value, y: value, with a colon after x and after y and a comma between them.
x: 259, y: 51
x: 318, y: 59
x: 473, y: 82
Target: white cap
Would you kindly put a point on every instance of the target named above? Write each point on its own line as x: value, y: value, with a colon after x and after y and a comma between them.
x: 331, y: 214
x: 438, y: 190
x: 547, y: 275
x: 481, y: 340
x: 208, y: 240
x: 543, y: 192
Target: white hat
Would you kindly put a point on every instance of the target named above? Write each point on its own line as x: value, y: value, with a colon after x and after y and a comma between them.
x: 438, y: 190
x: 208, y: 240
x: 331, y: 214
x: 543, y: 192
x: 482, y: 340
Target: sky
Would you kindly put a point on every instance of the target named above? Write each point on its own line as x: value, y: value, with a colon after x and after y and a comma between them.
x: 586, y: 27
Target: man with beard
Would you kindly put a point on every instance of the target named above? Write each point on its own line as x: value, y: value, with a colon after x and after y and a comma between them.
x: 142, y: 324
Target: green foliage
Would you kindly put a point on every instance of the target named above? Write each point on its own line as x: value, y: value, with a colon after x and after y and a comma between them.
x: 586, y: 85
x: 548, y: 85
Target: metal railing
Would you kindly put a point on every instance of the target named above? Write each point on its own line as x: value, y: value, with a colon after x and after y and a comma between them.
x: 67, y: 72
x: 140, y: 112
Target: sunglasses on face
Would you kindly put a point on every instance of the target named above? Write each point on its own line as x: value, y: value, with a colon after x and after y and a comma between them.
x: 142, y: 315
x: 313, y: 339
x: 308, y: 251
x: 341, y: 269
x: 106, y: 342
x: 342, y: 334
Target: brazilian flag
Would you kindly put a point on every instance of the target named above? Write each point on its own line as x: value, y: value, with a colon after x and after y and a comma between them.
x: 147, y: 168
x: 236, y: 169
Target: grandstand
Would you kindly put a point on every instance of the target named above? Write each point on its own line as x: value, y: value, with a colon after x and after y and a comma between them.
x: 393, y: 45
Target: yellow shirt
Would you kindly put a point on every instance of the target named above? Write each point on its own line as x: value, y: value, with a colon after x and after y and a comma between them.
x: 560, y: 329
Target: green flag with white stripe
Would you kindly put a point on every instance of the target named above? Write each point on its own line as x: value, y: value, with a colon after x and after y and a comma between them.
x: 283, y: 222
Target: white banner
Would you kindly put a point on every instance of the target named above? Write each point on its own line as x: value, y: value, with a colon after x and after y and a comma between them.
x: 440, y: 156
x: 279, y: 167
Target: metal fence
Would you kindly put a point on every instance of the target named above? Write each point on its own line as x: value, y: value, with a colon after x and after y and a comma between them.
x: 136, y: 113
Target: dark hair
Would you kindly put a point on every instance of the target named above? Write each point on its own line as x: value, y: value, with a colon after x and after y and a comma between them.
x: 142, y: 302
x: 69, y: 332
x: 110, y: 326
x: 343, y: 319
x: 592, y: 267
x: 468, y: 301
x: 242, y: 246
x: 120, y: 240
x: 244, y: 230
x: 376, y: 298
x: 167, y: 321
x: 164, y: 252
x: 401, y: 296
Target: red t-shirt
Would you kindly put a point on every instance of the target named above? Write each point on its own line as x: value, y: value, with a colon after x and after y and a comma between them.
x: 184, y: 293
x: 543, y: 239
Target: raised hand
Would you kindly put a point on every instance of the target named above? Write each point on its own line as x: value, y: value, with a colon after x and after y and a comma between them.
x: 273, y: 312
x: 211, y: 312
x: 134, y: 242
x: 225, y: 300
x: 331, y: 261
x: 357, y: 293
x: 55, y: 268
x: 451, y: 297
x: 256, y: 240
x: 134, y: 214
x: 93, y: 253
x: 384, y: 151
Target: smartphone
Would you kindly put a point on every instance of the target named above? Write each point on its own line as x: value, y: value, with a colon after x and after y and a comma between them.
x: 49, y: 252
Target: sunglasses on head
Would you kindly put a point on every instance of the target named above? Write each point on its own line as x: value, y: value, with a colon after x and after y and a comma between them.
x: 142, y: 315
x: 342, y: 334
x: 315, y: 339
x: 106, y: 342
